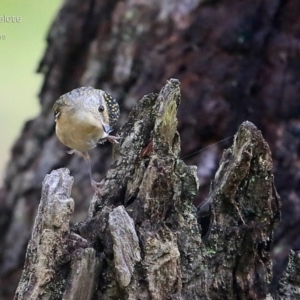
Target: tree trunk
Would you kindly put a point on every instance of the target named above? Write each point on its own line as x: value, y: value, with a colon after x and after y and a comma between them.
x: 236, y: 60
x: 143, y: 238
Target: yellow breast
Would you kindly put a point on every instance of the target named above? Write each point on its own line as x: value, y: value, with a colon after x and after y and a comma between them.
x: 79, y: 131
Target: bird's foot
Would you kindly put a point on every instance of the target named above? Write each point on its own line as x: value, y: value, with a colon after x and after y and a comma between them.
x: 97, y: 187
x: 72, y: 151
x: 112, y: 139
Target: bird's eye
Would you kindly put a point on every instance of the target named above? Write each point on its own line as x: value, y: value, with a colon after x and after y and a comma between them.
x: 101, y: 108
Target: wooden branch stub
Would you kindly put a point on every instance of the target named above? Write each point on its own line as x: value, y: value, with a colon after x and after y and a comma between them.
x: 244, y: 211
x: 153, y: 191
x: 47, y: 248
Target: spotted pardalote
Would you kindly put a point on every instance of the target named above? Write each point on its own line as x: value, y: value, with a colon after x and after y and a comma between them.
x: 84, y: 118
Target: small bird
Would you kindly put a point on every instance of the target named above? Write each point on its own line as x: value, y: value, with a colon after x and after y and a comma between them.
x: 84, y: 118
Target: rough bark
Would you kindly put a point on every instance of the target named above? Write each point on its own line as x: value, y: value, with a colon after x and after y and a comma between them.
x: 289, y: 284
x: 143, y: 238
x: 236, y: 60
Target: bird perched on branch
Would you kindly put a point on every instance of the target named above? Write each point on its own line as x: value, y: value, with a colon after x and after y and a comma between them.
x: 84, y: 118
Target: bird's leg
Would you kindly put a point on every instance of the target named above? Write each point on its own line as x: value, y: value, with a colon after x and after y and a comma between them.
x: 95, y: 185
x: 112, y: 139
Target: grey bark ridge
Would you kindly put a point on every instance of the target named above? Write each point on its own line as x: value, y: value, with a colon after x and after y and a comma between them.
x: 142, y: 239
x: 289, y: 284
x: 125, y: 244
x: 245, y: 208
x: 83, y: 275
x: 47, y: 247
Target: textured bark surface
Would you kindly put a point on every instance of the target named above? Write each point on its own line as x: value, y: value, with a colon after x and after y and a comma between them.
x: 236, y: 60
x: 289, y: 284
x: 143, y: 238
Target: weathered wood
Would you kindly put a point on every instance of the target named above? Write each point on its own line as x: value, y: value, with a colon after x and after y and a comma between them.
x: 157, y: 189
x: 289, y: 284
x: 126, y: 247
x: 47, y: 248
x: 235, y: 62
x: 143, y: 238
x: 244, y: 209
x: 83, y: 276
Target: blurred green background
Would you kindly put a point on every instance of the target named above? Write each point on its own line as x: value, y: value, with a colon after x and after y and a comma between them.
x: 20, y: 53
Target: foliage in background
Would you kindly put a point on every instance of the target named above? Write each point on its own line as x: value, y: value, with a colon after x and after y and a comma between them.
x: 20, y: 53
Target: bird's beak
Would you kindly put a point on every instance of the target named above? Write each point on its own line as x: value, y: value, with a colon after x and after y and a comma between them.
x: 107, y: 128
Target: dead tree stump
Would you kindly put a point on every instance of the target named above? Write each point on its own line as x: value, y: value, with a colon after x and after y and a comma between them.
x: 143, y: 238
